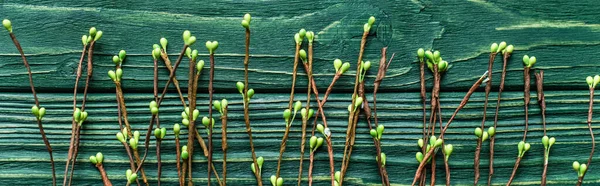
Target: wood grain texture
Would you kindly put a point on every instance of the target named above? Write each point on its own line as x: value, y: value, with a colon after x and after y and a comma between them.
x: 562, y: 35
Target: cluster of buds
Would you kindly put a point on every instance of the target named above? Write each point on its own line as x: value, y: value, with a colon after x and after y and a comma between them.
x: 298, y: 37
x: 593, y: 81
x: 287, y: 114
x: 153, y: 108
x: 275, y: 181
x: 95, y: 35
x: 79, y: 116
x: 240, y: 87
x: 185, y: 115
x: 433, y: 143
x: 369, y: 24
x: 364, y: 67
x: 579, y: 168
x: 39, y: 112
x: 484, y: 135
x: 117, y: 74
x: 160, y: 133
x: 260, y: 160
x: 523, y: 148
x: 212, y: 46
x: 377, y: 133
x: 221, y: 106
x: 432, y: 58
x: 529, y: 61
x: 340, y: 68
x: 246, y: 21
x: 357, y: 104
x: 325, y: 131
x: 315, y: 142
x: 131, y: 177
x: 184, y: 152
x: 192, y: 54
x: 97, y: 159
x: 188, y: 39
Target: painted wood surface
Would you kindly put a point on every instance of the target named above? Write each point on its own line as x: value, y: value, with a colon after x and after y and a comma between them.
x: 562, y: 35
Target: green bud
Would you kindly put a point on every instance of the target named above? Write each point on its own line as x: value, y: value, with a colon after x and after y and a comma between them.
x: 176, y: 129
x: 302, y: 33
x: 7, y: 24
x: 122, y: 54
x: 521, y: 147
x: 420, y: 53
x: 212, y: 46
x: 494, y: 48
x: 98, y: 35
x: 217, y: 105
x: 345, y: 67
x: 191, y: 41
x: 576, y: 165
x: 93, y: 160
x: 448, y: 149
x: 485, y: 136
x: 252, y: 168
x: 273, y: 180
x: 380, y: 129
x: 260, y: 160
x: 132, y: 178
x: 195, y: 56
x: 545, y: 142
x: 304, y: 113
x: 491, y: 131
x: 188, y: 52
x: 116, y: 60
x: 298, y: 39
x: 419, y: 157
x: 136, y: 135
x: 82, y: 118
x: 590, y: 81
x: 532, y: 61
x: 155, y: 46
x: 163, y: 132
x: 420, y: 142
x: 77, y: 114
x: 582, y: 169
x: 185, y: 122
x: 302, y: 54
x: 527, y: 147
x: 478, y: 132
x: 383, y: 158
x: 337, y: 64
x: 432, y: 141
x: 320, y: 128
x: 280, y: 181
x: 311, y: 112
x: 195, y: 114
x: 224, y: 104
x: 358, y: 102
x: 245, y: 24
x: 596, y: 80
x: 310, y: 35
x: 84, y: 40
x: 35, y: 111
x: 128, y: 173
x: 240, y: 87
x: 350, y: 108
x: 133, y: 143
x: 153, y: 104
x: 366, y: 65
x: 89, y: 39
x: 186, y: 36
x: 154, y: 110
x: 501, y: 47
x: 156, y: 53
x: 373, y: 133
x: 429, y: 55
x: 313, y: 142
x: 439, y: 142
x: 319, y: 142
x: 443, y: 66
x: 509, y: 48
x: 286, y: 115
x: 119, y: 74
x: 163, y: 43
x: 552, y: 141
x: 297, y: 106
x: 250, y: 93
x: 199, y: 66
x: 93, y: 31
x: 157, y: 133
x: 205, y: 121
x: 366, y: 27
x: 99, y: 157
x: 436, y: 56
x: 526, y: 60
x: 184, y: 152
x: 124, y: 132
x: 337, y: 176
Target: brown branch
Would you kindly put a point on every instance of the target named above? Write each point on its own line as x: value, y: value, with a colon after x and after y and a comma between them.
x: 103, y: 174
x: 488, y: 88
x: 305, y: 119
x: 37, y: 103
x: 246, y: 106
x: 589, y: 122
x: 224, y: 142
x: 192, y: 125
x: 493, y: 138
x: 539, y: 82
x: 210, y: 124
x: 167, y: 62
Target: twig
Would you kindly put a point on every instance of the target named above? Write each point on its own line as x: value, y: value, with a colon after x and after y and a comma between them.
x: 37, y: 103
x: 224, y: 142
x: 380, y: 75
x: 103, y: 174
x: 488, y: 88
x: 589, y: 122
x: 210, y: 124
x: 505, y: 58
x: 305, y: 119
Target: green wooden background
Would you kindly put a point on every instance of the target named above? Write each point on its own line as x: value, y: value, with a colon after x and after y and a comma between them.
x: 562, y: 35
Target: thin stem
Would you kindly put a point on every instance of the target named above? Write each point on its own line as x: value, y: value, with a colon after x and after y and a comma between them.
x: 305, y: 119
x: 443, y: 131
x: 140, y: 169
x: 103, y: 174
x: 158, y: 140
x: 210, y: 124
x: 539, y: 82
x: 167, y: 62
x: 178, y: 162
x: 351, y: 121
x: 380, y: 75
x: 192, y: 125
x: 131, y: 161
x: 37, y: 103
x: 493, y: 138
x: 589, y: 121
x: 488, y: 88
x: 526, y: 98
x: 224, y: 142
x: 246, y: 107
x: 514, y: 172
